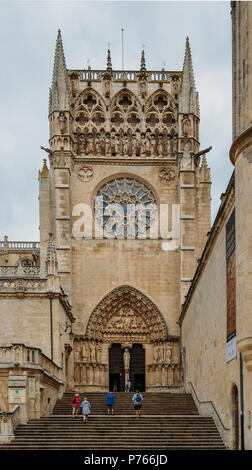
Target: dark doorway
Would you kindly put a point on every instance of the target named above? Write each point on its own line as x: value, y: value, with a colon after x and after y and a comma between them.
x: 235, y: 416
x: 116, y: 368
x: 137, y: 367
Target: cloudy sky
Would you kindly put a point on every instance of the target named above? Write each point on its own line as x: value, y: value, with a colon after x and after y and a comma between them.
x: 28, y: 33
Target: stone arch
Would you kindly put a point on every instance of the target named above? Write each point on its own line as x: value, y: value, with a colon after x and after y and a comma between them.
x: 124, y: 175
x: 89, y: 90
x: 126, y: 315
x: 121, y: 92
x: 235, y: 416
x: 157, y: 93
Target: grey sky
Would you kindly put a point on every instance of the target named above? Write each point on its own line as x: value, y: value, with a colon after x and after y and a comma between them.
x: 28, y: 33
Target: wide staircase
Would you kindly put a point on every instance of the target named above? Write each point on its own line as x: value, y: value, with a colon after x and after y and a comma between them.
x: 168, y: 421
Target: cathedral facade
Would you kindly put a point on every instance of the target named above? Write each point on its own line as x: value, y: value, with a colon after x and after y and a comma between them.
x: 124, y: 213
x: 126, y: 281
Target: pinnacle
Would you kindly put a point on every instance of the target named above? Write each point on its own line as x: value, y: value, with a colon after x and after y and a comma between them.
x: 189, y: 97
x: 59, y: 99
x: 143, y: 65
x: 109, y: 63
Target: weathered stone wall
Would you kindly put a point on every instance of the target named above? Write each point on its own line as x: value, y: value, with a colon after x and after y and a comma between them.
x: 27, y: 320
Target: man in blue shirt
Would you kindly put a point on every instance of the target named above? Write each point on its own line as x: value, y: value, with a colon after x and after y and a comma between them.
x: 110, y: 402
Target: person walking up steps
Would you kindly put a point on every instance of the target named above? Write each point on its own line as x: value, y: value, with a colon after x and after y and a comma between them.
x: 137, y: 399
x: 75, y: 403
x: 110, y: 402
x: 85, y: 409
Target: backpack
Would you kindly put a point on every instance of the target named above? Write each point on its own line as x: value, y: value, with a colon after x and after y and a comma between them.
x: 138, y: 398
x: 74, y: 400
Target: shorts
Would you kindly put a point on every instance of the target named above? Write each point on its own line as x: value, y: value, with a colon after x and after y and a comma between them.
x: 110, y: 406
x: 137, y: 407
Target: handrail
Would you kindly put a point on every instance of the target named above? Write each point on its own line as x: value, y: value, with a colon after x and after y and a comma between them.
x: 209, y: 401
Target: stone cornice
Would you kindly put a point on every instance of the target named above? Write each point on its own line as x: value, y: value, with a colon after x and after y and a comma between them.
x: 123, y: 161
x: 226, y: 205
x: 243, y: 141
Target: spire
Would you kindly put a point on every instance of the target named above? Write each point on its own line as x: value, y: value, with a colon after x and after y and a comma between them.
x: 143, y: 65
x: 59, y: 93
x: 189, y: 99
x: 51, y: 258
x: 109, y: 63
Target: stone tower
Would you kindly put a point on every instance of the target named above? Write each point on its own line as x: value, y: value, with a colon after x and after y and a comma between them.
x: 241, y: 157
x: 126, y: 138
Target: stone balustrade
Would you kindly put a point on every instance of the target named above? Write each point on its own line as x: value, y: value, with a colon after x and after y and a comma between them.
x: 8, y: 423
x: 26, y: 356
x: 7, y: 245
x: 124, y: 75
x: 19, y: 271
x: 26, y: 283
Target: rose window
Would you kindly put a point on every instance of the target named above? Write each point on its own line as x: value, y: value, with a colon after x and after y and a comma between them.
x: 126, y: 208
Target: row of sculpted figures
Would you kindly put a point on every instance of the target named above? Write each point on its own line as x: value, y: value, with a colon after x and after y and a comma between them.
x: 89, y: 366
x: 125, y: 143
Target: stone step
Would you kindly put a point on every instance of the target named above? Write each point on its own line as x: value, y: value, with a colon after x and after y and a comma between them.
x: 169, y: 421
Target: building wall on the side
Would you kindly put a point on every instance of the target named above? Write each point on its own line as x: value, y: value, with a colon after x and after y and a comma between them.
x: 27, y: 321
x: 204, y: 333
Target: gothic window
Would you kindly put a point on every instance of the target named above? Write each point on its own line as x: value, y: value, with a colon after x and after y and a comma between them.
x: 125, y: 111
x: 125, y: 208
x: 26, y: 263
x: 160, y: 110
x: 82, y: 119
x: 89, y: 101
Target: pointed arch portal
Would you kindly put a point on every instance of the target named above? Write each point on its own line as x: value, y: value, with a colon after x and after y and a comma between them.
x: 126, y: 315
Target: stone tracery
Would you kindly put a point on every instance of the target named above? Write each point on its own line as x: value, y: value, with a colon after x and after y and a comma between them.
x: 125, y: 208
x: 126, y: 315
x: 125, y: 127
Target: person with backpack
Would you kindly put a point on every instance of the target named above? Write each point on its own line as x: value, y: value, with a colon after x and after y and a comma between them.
x: 110, y: 402
x: 137, y: 399
x: 75, y: 404
x: 85, y: 409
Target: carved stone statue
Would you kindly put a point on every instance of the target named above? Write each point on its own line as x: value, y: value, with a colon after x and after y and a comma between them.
x: 143, y: 87
x: 186, y: 125
x: 92, y: 346
x: 107, y: 144
x: 125, y: 144
x: 168, y: 354
x: 99, y: 351
x: 143, y: 146
x: 126, y: 358
x: 159, y: 144
x: 90, y: 143
x: 155, y: 352
x: 113, y: 144
x: 103, y: 143
x: 85, y: 352
x: 117, y: 144
x: 129, y: 149
x: 94, y: 141
x: 148, y: 143
x: 107, y: 88
x: 62, y: 122
x: 98, y: 144
x: 165, y: 142
x: 161, y: 352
